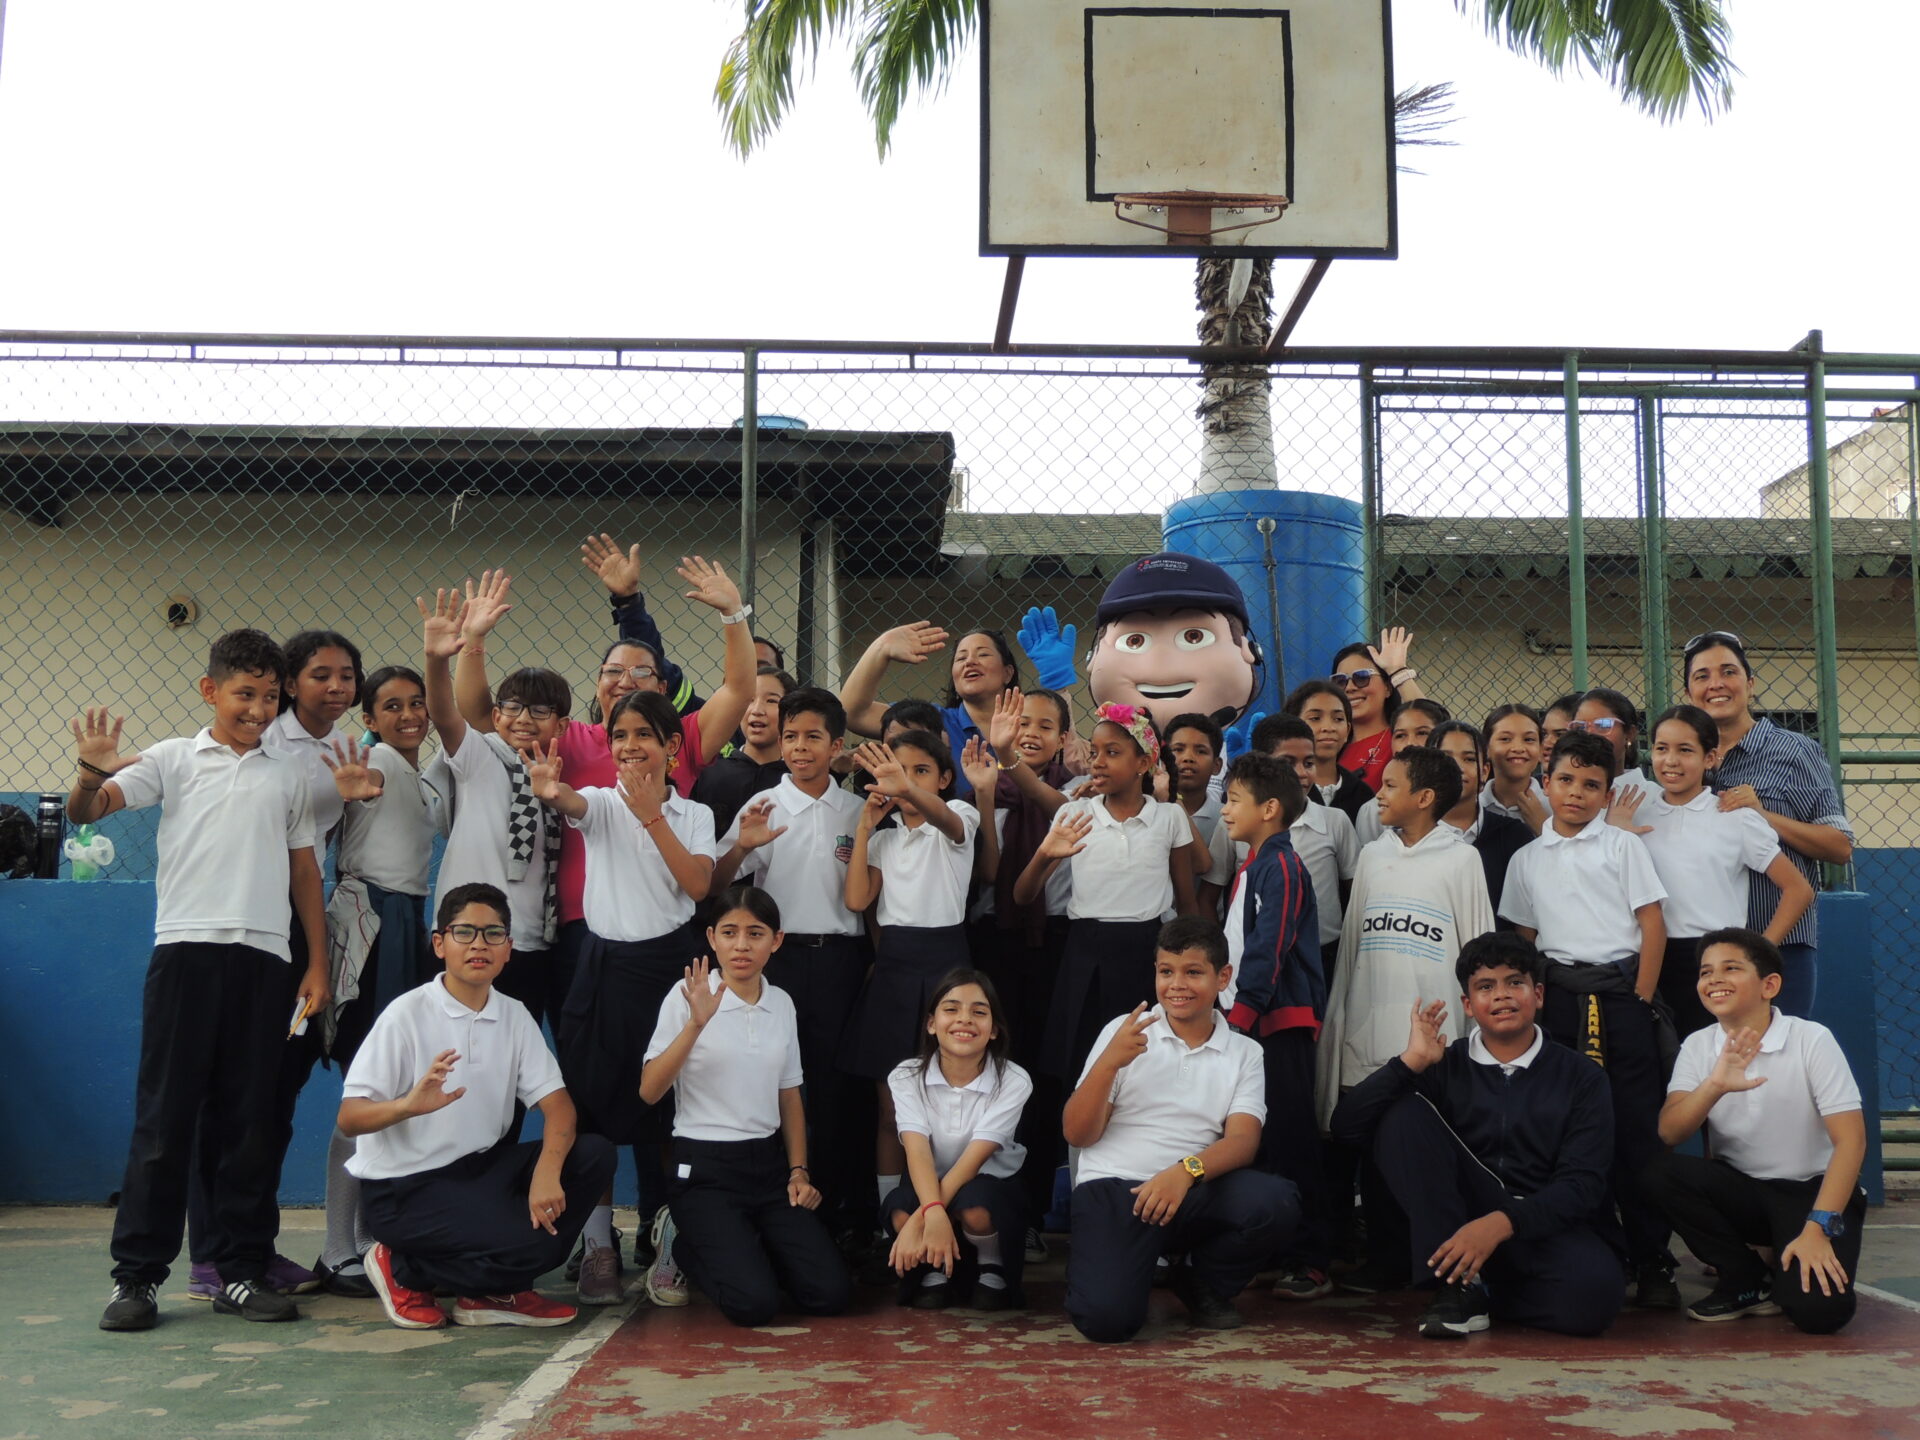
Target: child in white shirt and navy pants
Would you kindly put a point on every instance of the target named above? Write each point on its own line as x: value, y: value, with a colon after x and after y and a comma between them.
x: 742, y: 1196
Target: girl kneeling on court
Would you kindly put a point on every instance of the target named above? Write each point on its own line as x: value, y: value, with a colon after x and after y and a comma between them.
x: 727, y: 1046
x: 960, y: 1217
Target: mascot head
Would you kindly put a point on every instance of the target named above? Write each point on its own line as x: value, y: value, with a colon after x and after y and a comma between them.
x: 1172, y: 636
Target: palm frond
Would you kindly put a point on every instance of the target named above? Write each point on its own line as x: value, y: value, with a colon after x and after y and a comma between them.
x: 755, y: 87
x: 907, y: 45
x: 1421, y: 114
x: 1659, y: 54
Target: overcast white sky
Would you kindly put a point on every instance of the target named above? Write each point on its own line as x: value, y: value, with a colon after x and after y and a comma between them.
x: 475, y: 168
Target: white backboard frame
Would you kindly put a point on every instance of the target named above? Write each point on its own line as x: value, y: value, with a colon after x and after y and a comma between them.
x: 1071, y: 94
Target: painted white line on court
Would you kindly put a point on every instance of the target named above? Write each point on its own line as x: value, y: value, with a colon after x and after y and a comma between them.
x: 547, y: 1379
x: 1887, y: 1295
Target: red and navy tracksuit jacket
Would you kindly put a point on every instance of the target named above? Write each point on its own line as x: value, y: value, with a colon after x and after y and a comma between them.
x: 1279, y: 985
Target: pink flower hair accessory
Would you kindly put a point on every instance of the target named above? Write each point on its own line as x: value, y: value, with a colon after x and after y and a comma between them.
x: 1136, y: 722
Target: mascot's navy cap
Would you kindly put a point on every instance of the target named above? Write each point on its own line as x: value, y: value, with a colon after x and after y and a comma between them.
x: 1171, y: 581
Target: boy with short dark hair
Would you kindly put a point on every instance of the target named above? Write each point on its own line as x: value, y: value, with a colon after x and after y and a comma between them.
x: 794, y: 841
x: 1783, y: 1111
x: 1278, y: 997
x: 1497, y: 1147
x: 1323, y: 835
x: 237, y: 867
x: 450, y: 1207
x: 1166, y: 1121
x: 1586, y: 893
x: 1193, y: 745
x: 754, y: 765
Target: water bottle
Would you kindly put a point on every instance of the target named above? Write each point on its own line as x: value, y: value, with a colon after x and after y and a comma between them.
x: 52, y: 830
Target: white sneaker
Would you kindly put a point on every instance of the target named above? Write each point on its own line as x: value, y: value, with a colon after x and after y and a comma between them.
x: 666, y: 1284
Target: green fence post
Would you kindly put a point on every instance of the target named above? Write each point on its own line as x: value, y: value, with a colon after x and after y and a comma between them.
x: 1576, y: 528
x: 749, y: 470
x: 1654, y: 635
x: 1820, y: 501
x: 1369, y: 502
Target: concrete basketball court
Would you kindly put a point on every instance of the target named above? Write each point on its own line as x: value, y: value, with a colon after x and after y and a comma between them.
x: 1341, y: 1366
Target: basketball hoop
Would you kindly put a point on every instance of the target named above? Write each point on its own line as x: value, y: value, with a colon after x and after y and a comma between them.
x: 1190, y: 214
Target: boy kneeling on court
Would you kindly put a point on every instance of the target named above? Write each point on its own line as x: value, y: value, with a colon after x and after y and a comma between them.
x: 1166, y: 1120
x: 430, y: 1095
x: 1783, y: 1112
x: 1497, y: 1147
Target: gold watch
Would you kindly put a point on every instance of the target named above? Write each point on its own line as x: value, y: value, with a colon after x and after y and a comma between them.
x: 1193, y: 1167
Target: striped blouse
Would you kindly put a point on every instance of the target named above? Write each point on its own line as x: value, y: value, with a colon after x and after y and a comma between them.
x: 1789, y: 772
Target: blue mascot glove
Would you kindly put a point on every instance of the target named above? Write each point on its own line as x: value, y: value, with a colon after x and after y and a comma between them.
x: 1050, y: 648
x: 1239, y: 739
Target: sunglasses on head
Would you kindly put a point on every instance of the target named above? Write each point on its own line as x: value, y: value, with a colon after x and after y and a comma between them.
x: 1354, y: 679
x: 1708, y: 637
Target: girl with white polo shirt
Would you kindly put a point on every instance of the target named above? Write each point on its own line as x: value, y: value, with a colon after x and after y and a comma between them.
x: 650, y: 857
x: 957, y: 1105
x: 1134, y: 861
x: 1705, y: 856
x: 726, y: 1044
x: 915, y: 873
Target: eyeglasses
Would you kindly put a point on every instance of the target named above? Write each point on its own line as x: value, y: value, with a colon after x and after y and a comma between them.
x: 635, y: 673
x: 513, y: 710
x: 467, y: 934
x: 1605, y: 725
x: 1354, y: 679
x: 1707, y: 637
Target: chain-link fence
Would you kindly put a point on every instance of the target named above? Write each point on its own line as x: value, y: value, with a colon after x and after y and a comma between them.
x: 161, y: 490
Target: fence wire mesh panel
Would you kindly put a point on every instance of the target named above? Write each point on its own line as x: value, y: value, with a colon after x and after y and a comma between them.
x: 159, y: 491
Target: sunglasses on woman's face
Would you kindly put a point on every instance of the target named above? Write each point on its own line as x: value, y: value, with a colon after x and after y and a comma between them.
x: 1354, y: 679
x: 1606, y: 725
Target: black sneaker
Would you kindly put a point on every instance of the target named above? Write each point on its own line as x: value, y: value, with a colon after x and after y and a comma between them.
x: 132, y: 1307
x: 1204, y: 1308
x: 1035, y: 1246
x: 1721, y: 1304
x: 996, y: 1297
x: 573, y: 1260
x: 1653, y: 1287
x: 252, y: 1300
x: 1456, y: 1312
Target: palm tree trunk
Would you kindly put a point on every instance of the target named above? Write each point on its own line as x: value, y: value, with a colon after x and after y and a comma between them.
x: 1236, y: 421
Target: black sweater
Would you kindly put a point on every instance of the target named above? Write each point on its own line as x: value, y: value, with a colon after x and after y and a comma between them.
x: 1545, y: 1131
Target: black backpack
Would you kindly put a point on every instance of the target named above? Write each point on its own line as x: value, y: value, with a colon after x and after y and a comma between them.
x: 19, y: 843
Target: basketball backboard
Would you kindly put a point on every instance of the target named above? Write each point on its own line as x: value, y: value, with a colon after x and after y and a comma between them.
x: 1089, y: 111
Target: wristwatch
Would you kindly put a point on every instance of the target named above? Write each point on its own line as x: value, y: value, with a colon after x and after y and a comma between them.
x: 1832, y: 1223
x: 1193, y: 1167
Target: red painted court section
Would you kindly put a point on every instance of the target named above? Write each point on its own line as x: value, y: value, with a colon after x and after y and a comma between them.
x: 1337, y: 1367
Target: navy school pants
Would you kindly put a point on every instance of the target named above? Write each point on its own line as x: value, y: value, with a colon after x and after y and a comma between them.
x: 1227, y: 1227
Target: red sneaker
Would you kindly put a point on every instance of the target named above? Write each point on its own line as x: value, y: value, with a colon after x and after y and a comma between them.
x: 409, y: 1309
x: 526, y: 1308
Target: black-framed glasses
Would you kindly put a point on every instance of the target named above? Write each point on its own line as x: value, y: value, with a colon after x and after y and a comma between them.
x: 1707, y: 637
x: 467, y: 934
x: 636, y: 673
x: 514, y: 709
x: 1354, y: 679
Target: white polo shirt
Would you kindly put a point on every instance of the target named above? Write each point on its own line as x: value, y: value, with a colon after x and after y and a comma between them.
x: 1220, y: 867
x: 805, y: 870
x: 953, y: 1117
x: 227, y: 823
x: 1324, y: 838
x: 503, y: 1058
x: 1173, y: 1100
x: 1703, y: 855
x: 1123, y: 873
x: 287, y: 736
x: 729, y: 1089
x: 1775, y: 1131
x: 923, y: 874
x: 1478, y: 1053
x: 476, y: 850
x: 389, y: 841
x: 1366, y: 822
x: 630, y: 894
x: 1579, y: 892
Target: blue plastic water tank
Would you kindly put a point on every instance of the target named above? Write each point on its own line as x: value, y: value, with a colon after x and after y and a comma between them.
x: 1317, y: 579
